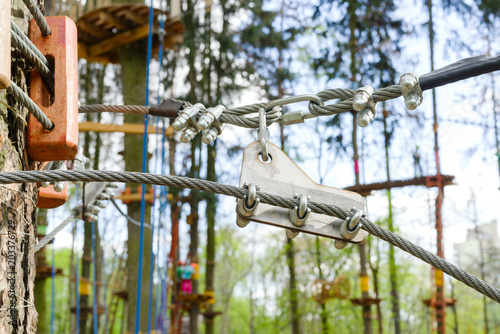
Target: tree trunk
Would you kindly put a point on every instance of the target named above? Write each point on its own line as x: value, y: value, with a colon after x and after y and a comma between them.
x: 41, y: 296
x: 133, y: 71
x: 18, y: 218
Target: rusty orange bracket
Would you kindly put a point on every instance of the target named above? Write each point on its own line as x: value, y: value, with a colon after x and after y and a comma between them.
x: 48, y: 198
x: 61, y: 143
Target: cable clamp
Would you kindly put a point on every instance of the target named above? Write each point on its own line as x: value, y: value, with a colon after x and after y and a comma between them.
x: 247, y: 206
x: 209, y: 122
x: 410, y: 88
x: 350, y: 227
x: 187, y: 120
x: 365, y: 106
x: 299, y: 214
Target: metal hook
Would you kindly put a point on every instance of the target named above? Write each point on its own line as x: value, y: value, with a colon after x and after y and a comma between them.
x: 263, y: 135
x: 351, y: 225
x: 298, y: 215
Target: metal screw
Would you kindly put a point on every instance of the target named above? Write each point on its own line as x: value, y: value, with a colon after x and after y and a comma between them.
x: 408, y: 82
x: 188, y: 134
x: 339, y: 244
x: 413, y: 101
x: 365, y: 117
x: 59, y: 186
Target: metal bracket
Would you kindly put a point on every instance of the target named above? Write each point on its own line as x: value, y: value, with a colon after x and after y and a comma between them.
x: 410, y: 88
x: 281, y: 176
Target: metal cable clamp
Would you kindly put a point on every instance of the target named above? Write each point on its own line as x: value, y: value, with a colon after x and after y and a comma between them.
x: 364, y: 104
x: 247, y: 206
x: 209, y: 122
x: 410, y: 88
x: 350, y: 227
x: 299, y: 214
x: 187, y: 120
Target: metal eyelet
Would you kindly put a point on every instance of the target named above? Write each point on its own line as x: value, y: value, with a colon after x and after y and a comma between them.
x: 247, y: 206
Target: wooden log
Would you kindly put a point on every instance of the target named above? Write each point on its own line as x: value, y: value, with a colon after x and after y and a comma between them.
x: 4, y: 43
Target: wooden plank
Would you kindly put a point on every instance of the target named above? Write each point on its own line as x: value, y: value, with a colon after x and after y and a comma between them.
x: 127, y: 128
x: 135, y: 197
x: 92, y: 30
x: 134, y: 17
x: 111, y: 20
x: 124, y: 38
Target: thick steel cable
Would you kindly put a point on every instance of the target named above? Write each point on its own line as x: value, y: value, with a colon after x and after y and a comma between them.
x: 38, y: 17
x: 123, y: 109
x: 41, y: 64
x: 48, y: 238
x: 266, y: 198
x: 14, y: 27
x: 25, y: 100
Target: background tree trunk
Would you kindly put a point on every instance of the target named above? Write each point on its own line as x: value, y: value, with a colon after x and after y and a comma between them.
x: 18, y: 218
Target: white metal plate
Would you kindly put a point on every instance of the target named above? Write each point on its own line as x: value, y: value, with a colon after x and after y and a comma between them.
x: 281, y: 176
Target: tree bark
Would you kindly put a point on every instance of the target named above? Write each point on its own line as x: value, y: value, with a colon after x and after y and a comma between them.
x: 17, y: 201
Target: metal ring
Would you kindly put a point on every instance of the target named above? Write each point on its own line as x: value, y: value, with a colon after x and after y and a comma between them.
x: 263, y: 135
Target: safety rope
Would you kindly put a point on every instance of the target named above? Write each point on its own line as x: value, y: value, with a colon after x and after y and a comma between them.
x: 48, y: 238
x: 28, y: 103
x: 266, y: 198
x: 32, y: 54
x: 38, y: 17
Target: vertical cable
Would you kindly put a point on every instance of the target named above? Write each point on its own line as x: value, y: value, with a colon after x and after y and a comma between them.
x: 144, y: 167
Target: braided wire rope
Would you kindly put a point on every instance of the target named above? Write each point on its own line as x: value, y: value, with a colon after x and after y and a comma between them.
x: 16, y: 30
x: 41, y: 64
x: 266, y: 198
x: 25, y: 100
x: 48, y: 238
x: 38, y: 17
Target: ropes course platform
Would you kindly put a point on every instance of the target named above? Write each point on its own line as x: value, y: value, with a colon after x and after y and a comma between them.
x: 428, y: 181
x: 102, y: 32
x: 46, y: 272
x: 432, y: 302
x: 365, y: 301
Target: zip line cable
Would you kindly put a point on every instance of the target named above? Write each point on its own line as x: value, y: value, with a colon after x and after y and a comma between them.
x: 266, y: 198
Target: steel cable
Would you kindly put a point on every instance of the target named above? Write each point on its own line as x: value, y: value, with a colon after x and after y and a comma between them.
x: 38, y: 17
x: 25, y: 100
x: 266, y: 198
x: 41, y: 64
x: 48, y: 238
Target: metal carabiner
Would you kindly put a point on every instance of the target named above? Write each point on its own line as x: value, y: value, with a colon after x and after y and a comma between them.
x: 293, y: 99
x: 263, y: 135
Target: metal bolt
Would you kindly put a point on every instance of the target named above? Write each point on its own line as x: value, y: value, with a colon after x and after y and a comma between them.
x: 90, y: 217
x: 188, y: 134
x: 103, y: 196
x: 210, y: 116
x: 365, y: 117
x: 339, y: 244
x: 292, y: 234
x: 413, y: 101
x: 59, y: 186
x: 361, y: 97
x: 185, y: 116
x: 100, y: 204
x: 408, y: 82
x: 209, y: 136
x: 44, y: 184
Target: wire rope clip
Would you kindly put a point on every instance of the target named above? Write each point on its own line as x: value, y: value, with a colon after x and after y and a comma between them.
x: 281, y: 176
x: 60, y: 143
x: 209, y: 123
x: 410, y: 88
x: 187, y: 120
x: 350, y: 227
x: 298, y: 215
x: 246, y: 207
x: 365, y: 106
